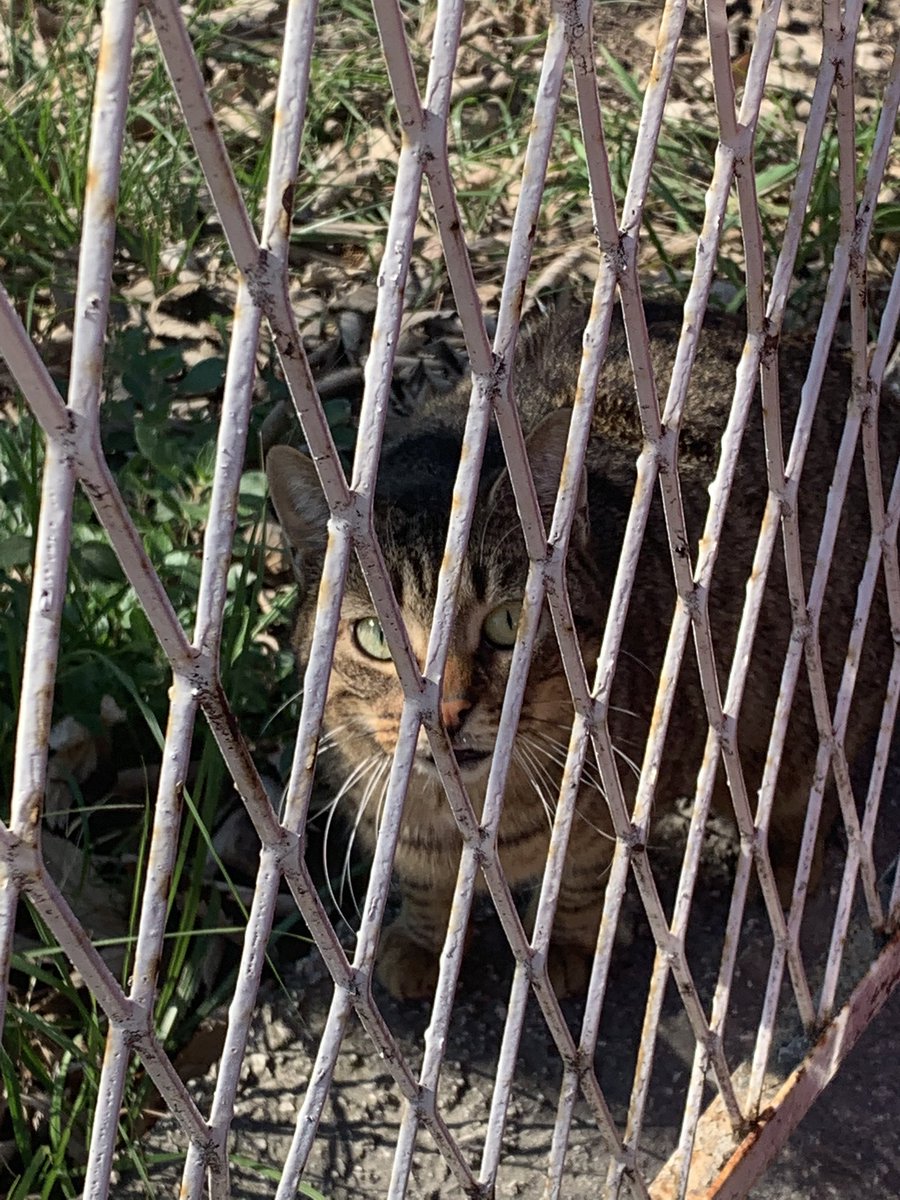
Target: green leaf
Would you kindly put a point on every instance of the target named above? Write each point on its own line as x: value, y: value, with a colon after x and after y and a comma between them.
x: 18, y: 1119
x: 157, y: 446
x: 204, y: 378
x: 772, y: 177
x: 15, y: 551
x: 97, y: 560
x: 887, y: 218
x: 253, y: 485
x: 135, y: 382
x: 625, y: 79
x: 184, y: 564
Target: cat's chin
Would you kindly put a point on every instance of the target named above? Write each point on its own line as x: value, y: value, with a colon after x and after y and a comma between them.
x: 473, y: 764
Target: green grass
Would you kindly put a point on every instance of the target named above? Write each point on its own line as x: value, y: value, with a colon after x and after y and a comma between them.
x: 160, y: 423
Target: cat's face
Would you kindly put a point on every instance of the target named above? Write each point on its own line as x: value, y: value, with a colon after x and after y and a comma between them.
x: 365, y: 699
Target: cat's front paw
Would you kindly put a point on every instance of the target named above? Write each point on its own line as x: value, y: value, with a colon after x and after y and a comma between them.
x: 407, y: 969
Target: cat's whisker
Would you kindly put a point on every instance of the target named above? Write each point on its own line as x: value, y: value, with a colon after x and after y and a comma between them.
x: 536, y: 754
x: 280, y: 709
x: 529, y: 767
x: 566, y: 726
x: 604, y: 833
x: 534, y: 770
x: 629, y: 762
x: 589, y: 771
x: 332, y: 731
x: 358, y: 772
x: 585, y: 776
x: 375, y: 777
x: 337, y: 735
x: 627, y: 712
x: 341, y: 741
x: 623, y: 653
x: 332, y: 802
x: 556, y: 752
x: 578, y: 812
x: 498, y: 542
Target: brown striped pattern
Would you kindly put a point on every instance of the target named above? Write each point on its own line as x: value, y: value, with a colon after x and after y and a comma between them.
x: 415, y: 481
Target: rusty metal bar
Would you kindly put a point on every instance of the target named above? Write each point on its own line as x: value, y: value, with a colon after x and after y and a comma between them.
x: 803, y: 1086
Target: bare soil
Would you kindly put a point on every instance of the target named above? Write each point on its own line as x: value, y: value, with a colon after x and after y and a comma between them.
x: 353, y: 1155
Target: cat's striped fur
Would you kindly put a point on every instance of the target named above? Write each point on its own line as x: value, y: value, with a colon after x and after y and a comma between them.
x: 416, y: 475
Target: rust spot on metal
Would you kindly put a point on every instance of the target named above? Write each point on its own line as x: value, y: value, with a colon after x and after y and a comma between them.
x: 103, y: 58
x: 310, y: 760
x: 519, y: 297
x: 287, y: 200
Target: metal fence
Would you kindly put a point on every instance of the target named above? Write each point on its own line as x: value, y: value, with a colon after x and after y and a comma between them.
x: 744, y: 1124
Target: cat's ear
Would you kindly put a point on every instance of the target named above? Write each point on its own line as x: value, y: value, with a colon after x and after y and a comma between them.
x: 302, y: 511
x: 546, y: 447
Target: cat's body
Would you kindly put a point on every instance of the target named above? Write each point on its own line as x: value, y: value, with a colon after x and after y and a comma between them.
x: 418, y: 467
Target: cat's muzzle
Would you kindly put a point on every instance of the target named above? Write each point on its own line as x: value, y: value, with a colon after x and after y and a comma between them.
x: 470, y: 761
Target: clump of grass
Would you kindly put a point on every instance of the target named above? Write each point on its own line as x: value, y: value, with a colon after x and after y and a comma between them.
x: 54, y: 1035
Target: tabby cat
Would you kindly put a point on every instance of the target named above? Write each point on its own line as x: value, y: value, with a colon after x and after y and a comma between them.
x: 419, y: 462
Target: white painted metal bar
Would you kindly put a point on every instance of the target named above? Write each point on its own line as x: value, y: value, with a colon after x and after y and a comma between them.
x: 722, y: 731
x: 20, y: 839
x: 759, y: 574
x: 627, y: 829
x: 622, y: 242
x: 837, y: 282
x: 240, y: 377
x: 534, y: 169
x: 133, y: 1023
x: 91, y: 304
x: 869, y: 414
x: 610, y: 240
x: 756, y: 586
x: 432, y: 136
x: 686, y: 613
x: 316, y: 1095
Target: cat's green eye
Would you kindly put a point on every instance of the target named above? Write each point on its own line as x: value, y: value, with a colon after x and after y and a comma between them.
x: 500, y: 625
x: 369, y: 636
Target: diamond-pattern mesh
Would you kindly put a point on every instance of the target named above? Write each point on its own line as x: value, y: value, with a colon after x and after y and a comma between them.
x: 75, y: 458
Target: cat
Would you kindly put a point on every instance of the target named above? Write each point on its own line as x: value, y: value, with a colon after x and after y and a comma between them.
x: 419, y: 461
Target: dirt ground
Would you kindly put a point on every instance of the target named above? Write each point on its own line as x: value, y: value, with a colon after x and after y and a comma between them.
x: 843, y: 1149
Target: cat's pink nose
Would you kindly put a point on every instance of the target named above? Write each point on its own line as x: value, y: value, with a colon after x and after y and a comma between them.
x: 453, y: 713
